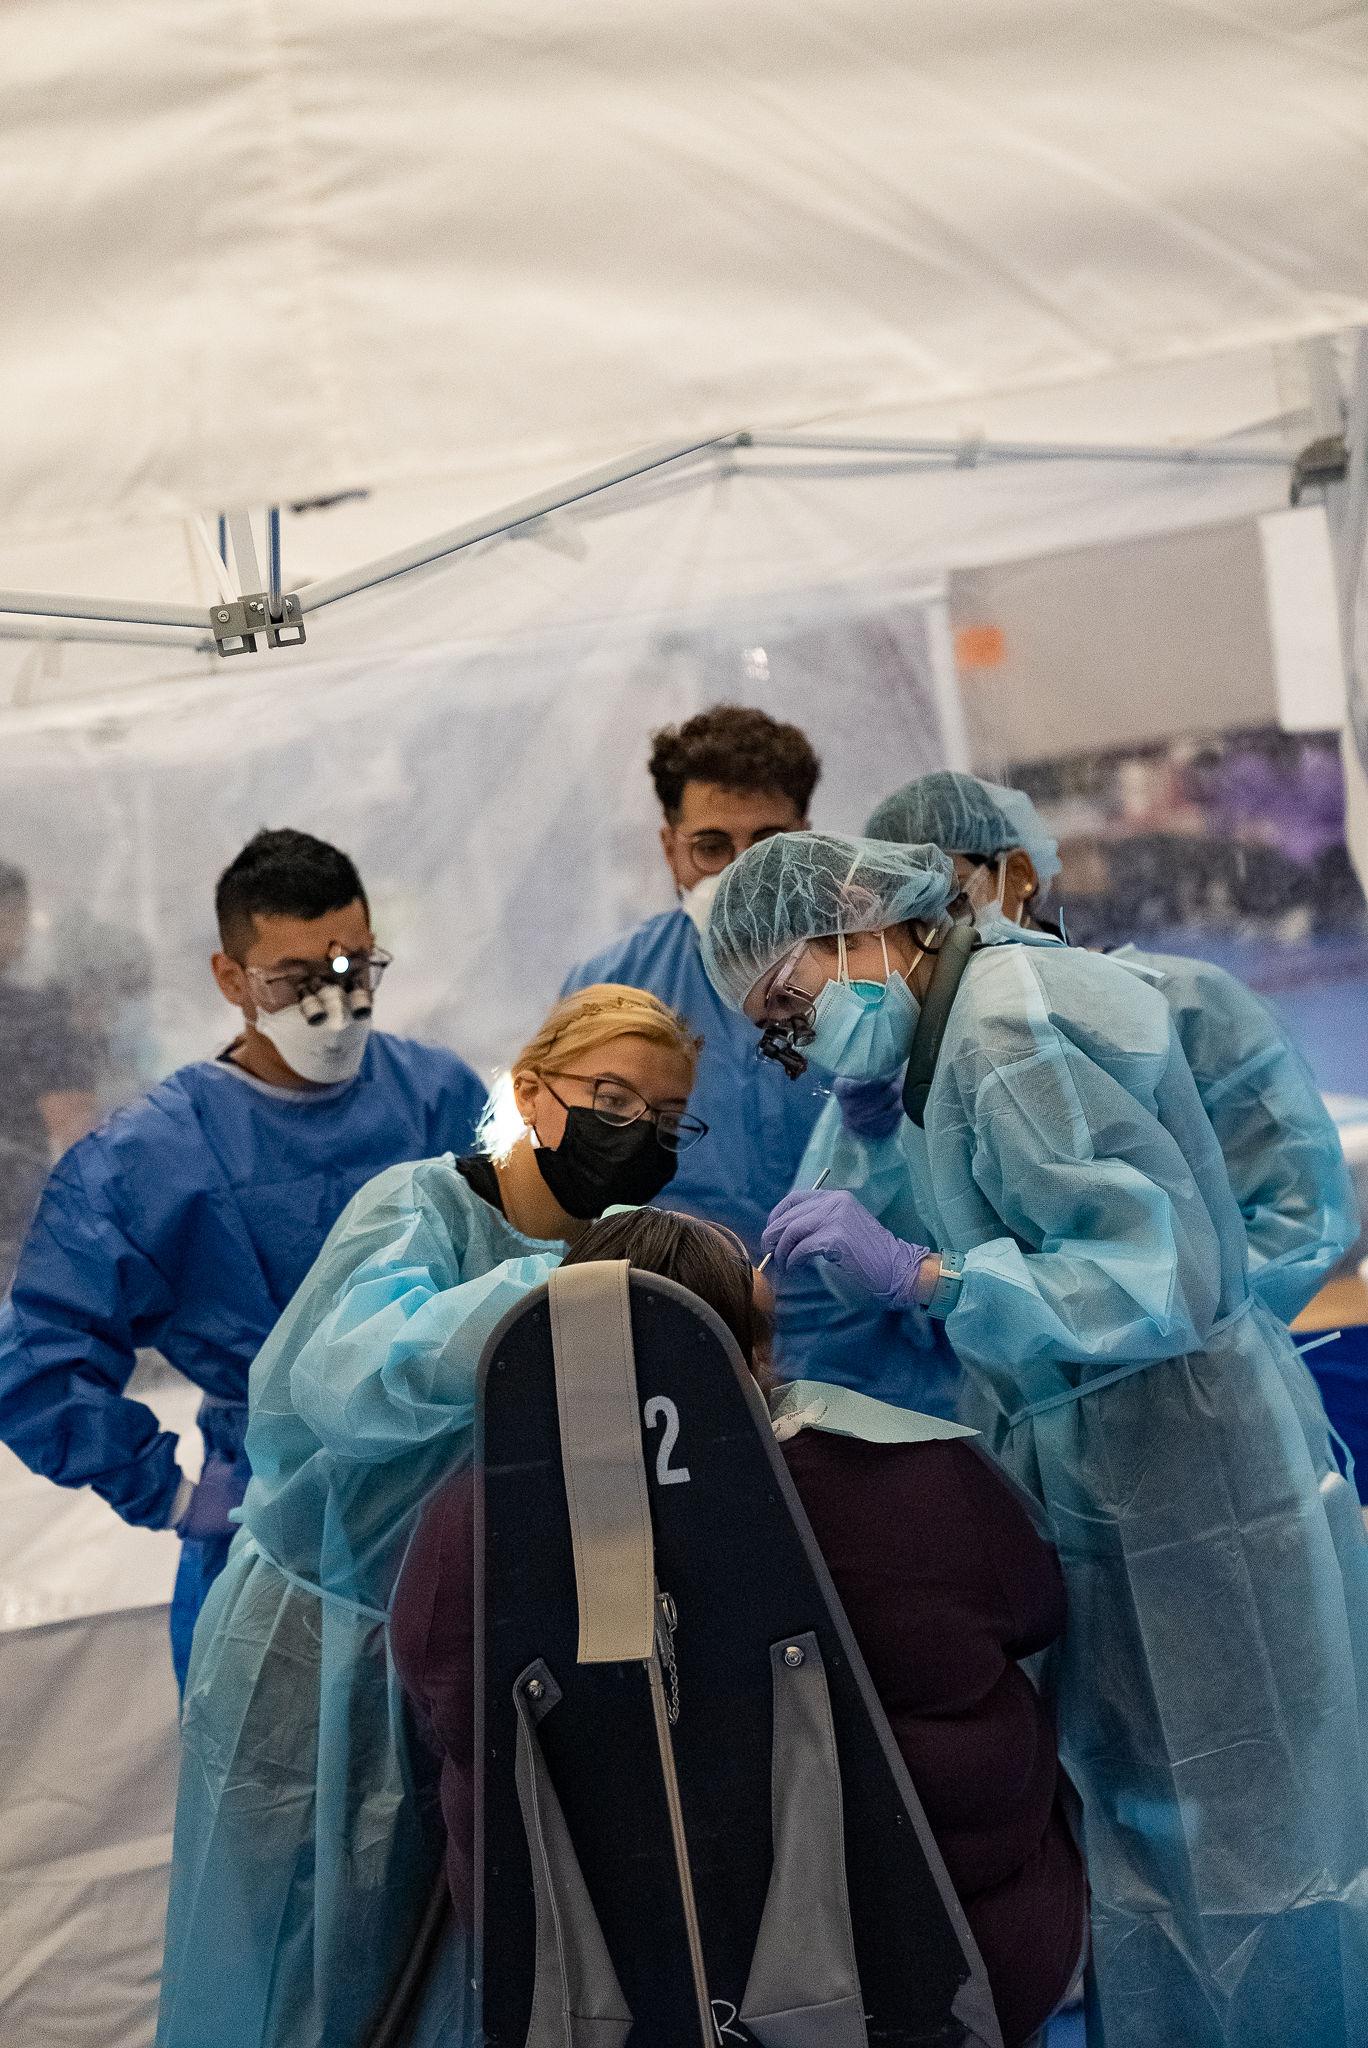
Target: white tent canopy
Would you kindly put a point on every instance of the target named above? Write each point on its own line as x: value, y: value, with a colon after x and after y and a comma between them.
x: 282, y: 248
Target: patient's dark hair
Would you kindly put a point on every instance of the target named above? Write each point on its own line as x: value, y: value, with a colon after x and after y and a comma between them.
x: 694, y: 1255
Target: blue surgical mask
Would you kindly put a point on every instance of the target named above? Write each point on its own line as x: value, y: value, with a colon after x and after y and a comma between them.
x: 863, y: 1030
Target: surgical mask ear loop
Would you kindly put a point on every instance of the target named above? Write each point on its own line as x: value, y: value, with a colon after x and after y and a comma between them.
x: 883, y: 947
x: 1019, y: 914
x: 842, y: 962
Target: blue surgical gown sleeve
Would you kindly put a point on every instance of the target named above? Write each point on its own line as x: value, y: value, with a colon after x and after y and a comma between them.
x: 1108, y: 1254
x: 85, y: 1298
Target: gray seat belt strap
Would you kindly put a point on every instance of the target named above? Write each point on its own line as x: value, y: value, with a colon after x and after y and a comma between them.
x: 610, y: 1520
x: 577, y: 2001
x: 804, y: 1987
x: 605, y: 1477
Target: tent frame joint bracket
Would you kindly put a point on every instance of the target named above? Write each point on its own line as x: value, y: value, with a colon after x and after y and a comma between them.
x: 236, y: 625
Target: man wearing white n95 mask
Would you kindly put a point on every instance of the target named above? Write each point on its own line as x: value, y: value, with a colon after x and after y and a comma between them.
x: 186, y: 1222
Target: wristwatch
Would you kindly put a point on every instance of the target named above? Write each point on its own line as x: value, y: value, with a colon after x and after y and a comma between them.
x: 946, y: 1291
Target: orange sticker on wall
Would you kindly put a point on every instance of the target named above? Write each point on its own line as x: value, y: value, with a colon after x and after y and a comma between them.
x: 979, y: 647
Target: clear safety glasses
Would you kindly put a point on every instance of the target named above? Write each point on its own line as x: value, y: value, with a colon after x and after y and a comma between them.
x: 779, y: 996
x: 308, y: 983
x: 613, y: 1102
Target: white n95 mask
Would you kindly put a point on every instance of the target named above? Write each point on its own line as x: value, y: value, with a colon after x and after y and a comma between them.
x: 697, y: 902
x: 331, y: 1050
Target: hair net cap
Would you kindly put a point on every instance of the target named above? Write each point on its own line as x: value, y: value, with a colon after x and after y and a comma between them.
x: 812, y: 885
x: 964, y: 814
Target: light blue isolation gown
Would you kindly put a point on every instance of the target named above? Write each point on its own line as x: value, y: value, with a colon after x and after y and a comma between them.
x: 1211, y: 1681
x: 308, y: 1834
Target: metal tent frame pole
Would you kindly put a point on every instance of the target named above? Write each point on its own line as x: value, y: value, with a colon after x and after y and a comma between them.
x: 330, y: 589
x: 281, y: 613
x: 1351, y: 522
x: 77, y: 631
x: 110, y: 611
x: 1350, y: 537
x: 968, y: 453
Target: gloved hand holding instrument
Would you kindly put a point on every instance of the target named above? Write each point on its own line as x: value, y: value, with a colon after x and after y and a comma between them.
x: 809, y: 1224
x: 820, y: 1181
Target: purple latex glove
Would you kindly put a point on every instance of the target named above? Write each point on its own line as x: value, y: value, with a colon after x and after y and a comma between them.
x: 870, y: 1109
x: 828, y: 1223
x: 221, y: 1487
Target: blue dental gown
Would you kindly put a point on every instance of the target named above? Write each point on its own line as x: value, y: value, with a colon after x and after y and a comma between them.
x: 184, y: 1224
x: 1211, y: 1681
x: 308, y: 1835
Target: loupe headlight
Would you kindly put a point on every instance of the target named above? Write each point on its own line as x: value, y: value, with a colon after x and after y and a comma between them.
x: 781, y: 1041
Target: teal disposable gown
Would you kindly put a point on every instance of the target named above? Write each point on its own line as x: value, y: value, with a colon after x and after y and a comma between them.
x: 1281, y: 1149
x: 1210, y: 1684
x: 1278, y: 1139
x: 308, y: 1837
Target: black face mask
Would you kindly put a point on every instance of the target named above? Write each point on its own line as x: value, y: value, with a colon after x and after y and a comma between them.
x: 597, y: 1164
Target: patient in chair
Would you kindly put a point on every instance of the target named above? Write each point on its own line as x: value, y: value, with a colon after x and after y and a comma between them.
x: 945, y: 1580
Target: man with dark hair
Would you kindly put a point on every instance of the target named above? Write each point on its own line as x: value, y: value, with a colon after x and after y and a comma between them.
x: 186, y: 1222
x: 725, y: 779
x: 47, y: 1072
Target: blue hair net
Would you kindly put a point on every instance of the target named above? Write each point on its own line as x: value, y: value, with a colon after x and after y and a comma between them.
x: 812, y: 885
x: 964, y: 814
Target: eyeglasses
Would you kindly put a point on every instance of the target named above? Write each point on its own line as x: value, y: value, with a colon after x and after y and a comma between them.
x: 358, y: 975
x: 712, y: 851
x: 613, y: 1102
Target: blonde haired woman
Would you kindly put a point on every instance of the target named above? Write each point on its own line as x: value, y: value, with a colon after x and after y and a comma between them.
x: 308, y: 1837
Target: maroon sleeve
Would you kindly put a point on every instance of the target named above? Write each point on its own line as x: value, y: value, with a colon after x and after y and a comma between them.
x: 432, y: 1635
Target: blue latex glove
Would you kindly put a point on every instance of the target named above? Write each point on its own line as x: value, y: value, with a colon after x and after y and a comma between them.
x: 221, y: 1487
x: 828, y: 1223
x: 870, y: 1109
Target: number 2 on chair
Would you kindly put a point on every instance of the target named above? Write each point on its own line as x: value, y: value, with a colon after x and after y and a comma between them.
x: 661, y: 1410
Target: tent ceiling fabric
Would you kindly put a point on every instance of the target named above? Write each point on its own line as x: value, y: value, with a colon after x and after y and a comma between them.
x: 285, y: 247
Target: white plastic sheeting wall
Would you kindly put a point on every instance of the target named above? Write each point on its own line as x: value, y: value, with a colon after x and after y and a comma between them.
x: 88, y: 1757
x: 496, y: 799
